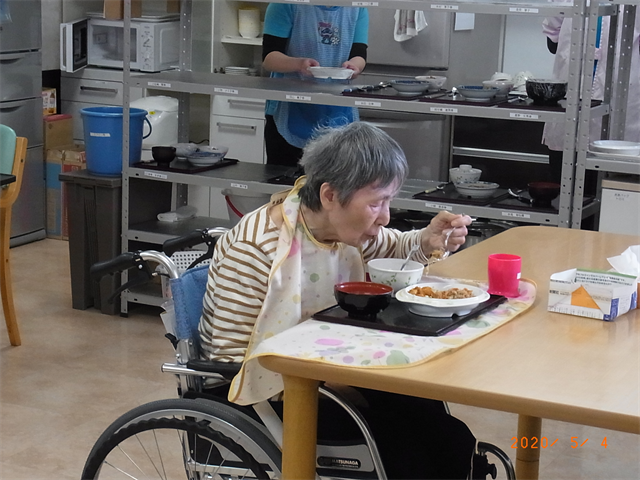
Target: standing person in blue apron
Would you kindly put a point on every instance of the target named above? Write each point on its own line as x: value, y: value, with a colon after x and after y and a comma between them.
x: 295, y: 38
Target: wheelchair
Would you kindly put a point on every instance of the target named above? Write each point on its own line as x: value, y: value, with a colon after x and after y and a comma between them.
x: 200, y: 435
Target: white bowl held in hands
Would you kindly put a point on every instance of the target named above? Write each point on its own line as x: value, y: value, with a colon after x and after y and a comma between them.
x: 441, y: 307
x: 476, y: 189
x: 464, y: 173
x: 387, y: 271
x: 616, y: 147
x: 335, y: 73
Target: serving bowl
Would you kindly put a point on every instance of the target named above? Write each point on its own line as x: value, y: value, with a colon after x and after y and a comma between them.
x: 464, y: 173
x: 616, y: 147
x: 410, y: 87
x: 387, y: 272
x: 543, y: 192
x: 185, y: 149
x: 476, y: 189
x: 545, y: 91
x: 477, y: 92
x: 503, y: 86
x: 163, y: 155
x: 335, y: 73
x: 441, y: 307
x: 434, y: 82
x: 362, y: 299
x: 208, y: 155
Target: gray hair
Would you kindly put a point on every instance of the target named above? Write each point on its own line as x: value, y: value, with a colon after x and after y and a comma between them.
x: 349, y: 158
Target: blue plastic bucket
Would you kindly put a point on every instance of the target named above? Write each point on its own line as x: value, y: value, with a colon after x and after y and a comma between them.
x: 103, y: 138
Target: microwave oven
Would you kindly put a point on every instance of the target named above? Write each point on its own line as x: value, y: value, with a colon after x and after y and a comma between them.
x: 154, y: 44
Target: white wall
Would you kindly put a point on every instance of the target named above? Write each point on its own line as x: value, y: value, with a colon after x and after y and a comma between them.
x: 526, y: 47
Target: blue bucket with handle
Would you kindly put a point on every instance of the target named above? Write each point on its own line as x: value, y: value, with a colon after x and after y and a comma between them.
x: 103, y: 138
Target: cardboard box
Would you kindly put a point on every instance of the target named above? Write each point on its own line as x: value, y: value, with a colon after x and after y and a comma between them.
x: 58, y: 131
x: 69, y: 158
x: 114, y: 9
x: 592, y: 293
x: 49, y: 101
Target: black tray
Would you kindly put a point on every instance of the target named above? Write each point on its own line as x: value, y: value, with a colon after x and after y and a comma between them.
x: 449, y: 194
x: 183, y: 166
x: 459, y: 99
x: 6, y: 179
x: 391, y: 94
x: 397, y: 318
x: 527, y: 103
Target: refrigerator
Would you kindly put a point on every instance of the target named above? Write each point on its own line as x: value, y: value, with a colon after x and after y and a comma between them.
x: 21, y: 109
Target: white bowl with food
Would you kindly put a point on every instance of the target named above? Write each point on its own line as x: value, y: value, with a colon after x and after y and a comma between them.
x: 334, y: 73
x: 387, y: 271
x: 476, y: 189
x: 434, y: 82
x: 441, y: 299
x: 616, y: 147
x: 503, y: 86
x: 207, y: 155
x: 410, y: 86
x: 477, y: 92
x: 464, y: 173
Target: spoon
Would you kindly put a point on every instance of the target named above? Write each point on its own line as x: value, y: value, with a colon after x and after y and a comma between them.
x: 446, y: 252
x: 413, y: 250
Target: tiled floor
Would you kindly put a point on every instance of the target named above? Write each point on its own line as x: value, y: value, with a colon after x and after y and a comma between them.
x: 77, y: 371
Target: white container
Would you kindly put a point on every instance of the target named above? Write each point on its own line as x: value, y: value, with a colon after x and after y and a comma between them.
x: 163, y: 116
x: 249, y: 22
x: 387, y: 271
x: 464, y: 173
x: 239, y: 203
x: 620, y: 205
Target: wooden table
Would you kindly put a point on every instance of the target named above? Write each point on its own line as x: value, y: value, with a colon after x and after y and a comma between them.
x: 539, y: 365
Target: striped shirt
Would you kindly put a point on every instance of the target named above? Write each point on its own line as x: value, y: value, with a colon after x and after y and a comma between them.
x: 238, y: 280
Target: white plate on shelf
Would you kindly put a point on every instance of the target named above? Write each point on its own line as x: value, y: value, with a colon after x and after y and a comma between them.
x: 335, y: 73
x: 616, y: 147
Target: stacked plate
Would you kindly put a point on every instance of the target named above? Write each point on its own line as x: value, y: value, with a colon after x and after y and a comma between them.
x: 236, y: 70
x: 616, y: 147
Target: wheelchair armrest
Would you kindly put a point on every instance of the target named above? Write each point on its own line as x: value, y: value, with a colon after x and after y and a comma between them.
x: 226, y: 369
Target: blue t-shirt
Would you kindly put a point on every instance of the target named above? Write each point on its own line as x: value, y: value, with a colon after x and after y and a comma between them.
x: 327, y: 35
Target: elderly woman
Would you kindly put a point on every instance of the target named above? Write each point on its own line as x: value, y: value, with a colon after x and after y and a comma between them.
x: 278, y: 266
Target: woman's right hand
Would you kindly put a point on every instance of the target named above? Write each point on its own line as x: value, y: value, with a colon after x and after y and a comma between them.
x: 305, y: 63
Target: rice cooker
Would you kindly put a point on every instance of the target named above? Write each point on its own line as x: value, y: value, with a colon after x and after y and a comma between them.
x: 163, y: 117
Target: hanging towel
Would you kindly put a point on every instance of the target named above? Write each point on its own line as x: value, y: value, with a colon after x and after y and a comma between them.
x: 408, y: 23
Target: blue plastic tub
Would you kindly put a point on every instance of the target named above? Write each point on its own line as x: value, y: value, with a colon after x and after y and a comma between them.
x: 103, y: 138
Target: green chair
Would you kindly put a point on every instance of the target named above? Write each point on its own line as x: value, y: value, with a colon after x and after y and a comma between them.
x: 13, y: 152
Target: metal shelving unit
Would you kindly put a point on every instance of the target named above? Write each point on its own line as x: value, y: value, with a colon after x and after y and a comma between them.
x: 189, y: 82
x: 615, y: 95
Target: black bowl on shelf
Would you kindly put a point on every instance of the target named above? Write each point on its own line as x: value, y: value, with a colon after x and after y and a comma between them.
x: 363, y: 300
x: 163, y: 155
x: 543, y: 192
x: 546, y: 92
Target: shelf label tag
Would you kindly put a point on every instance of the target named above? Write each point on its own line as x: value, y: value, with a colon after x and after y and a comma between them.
x: 516, y: 215
x: 159, y: 84
x: 231, y: 91
x: 240, y: 185
x: 155, y: 175
x: 438, y: 206
x: 364, y: 4
x: 443, y: 109
x: 532, y: 116
x: 523, y: 10
x: 304, y: 98
x: 365, y: 103
x: 444, y: 7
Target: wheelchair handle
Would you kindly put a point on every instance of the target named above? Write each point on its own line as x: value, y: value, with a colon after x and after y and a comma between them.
x: 206, y: 236
x: 138, y: 260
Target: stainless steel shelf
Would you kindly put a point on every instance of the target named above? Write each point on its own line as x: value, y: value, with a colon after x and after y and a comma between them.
x: 612, y: 165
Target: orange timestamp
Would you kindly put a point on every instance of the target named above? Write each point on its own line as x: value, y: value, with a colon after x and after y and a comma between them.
x: 544, y: 442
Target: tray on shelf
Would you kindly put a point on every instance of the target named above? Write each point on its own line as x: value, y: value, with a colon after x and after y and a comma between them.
x: 183, y: 166
x: 397, y: 318
x: 527, y: 103
x: 390, y: 94
x: 515, y: 204
x: 449, y: 194
x: 458, y: 99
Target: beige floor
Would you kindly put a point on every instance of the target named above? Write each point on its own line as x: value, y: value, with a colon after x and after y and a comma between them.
x: 77, y: 371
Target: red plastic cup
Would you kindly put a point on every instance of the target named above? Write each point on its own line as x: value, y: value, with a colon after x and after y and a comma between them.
x: 504, y: 274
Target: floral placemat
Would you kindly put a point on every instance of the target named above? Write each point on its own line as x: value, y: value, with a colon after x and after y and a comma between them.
x: 353, y: 346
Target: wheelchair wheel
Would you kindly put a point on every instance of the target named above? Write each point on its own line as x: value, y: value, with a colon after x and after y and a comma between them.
x: 184, y: 439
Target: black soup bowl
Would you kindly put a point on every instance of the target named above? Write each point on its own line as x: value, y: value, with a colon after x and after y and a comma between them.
x: 543, y: 192
x: 363, y: 300
x: 163, y: 155
x: 546, y: 91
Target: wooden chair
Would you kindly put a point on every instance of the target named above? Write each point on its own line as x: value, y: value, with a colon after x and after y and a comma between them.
x: 13, y: 152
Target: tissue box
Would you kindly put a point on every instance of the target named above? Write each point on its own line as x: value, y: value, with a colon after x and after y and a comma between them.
x: 592, y: 293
